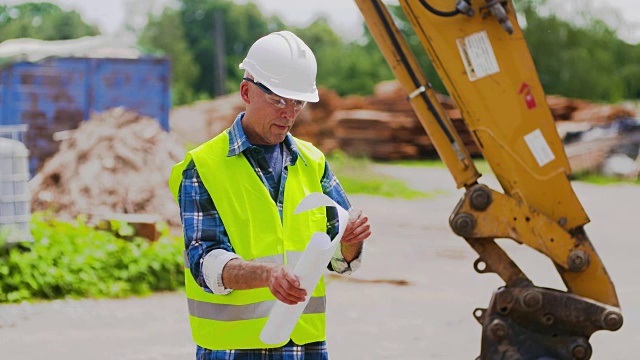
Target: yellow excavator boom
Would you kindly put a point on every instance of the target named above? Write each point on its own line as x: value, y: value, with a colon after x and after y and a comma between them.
x: 481, y: 56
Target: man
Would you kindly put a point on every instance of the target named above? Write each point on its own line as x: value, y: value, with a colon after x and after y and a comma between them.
x: 237, y: 196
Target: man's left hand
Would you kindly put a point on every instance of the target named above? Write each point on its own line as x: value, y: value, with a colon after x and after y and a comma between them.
x: 358, y: 228
x: 357, y: 231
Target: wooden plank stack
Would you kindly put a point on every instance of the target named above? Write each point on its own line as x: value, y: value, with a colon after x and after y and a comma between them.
x: 382, y: 126
x: 393, y: 134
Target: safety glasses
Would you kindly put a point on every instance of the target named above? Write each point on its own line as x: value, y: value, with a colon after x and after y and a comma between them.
x: 275, y: 100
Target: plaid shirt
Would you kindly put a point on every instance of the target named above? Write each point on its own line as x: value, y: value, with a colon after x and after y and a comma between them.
x: 291, y: 351
x: 205, y: 232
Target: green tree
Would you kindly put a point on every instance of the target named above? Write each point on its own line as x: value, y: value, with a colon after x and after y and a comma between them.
x: 352, y: 68
x: 572, y: 61
x: 370, y: 58
x: 166, y: 33
x: 415, y: 45
x: 44, y: 21
x: 588, y: 62
x: 242, y: 25
x: 347, y: 68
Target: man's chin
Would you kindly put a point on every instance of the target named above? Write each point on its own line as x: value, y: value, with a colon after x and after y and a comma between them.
x: 277, y: 139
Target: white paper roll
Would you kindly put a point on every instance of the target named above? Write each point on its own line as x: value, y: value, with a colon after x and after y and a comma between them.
x: 314, y: 260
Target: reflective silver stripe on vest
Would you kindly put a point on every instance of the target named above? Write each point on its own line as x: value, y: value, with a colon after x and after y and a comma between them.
x: 225, y: 312
x: 292, y: 259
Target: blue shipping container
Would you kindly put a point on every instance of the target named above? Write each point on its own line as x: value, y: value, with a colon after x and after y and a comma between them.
x: 56, y: 94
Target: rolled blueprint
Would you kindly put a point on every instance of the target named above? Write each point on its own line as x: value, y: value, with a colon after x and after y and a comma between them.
x: 309, y: 269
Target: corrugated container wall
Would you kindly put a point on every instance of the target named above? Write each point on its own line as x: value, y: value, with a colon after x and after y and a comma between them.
x: 56, y: 94
x: 15, y: 209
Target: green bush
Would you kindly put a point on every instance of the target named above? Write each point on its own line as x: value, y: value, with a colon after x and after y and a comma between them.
x: 75, y: 260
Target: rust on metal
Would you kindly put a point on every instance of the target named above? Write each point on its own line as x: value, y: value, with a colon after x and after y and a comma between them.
x: 572, y: 253
x: 542, y: 323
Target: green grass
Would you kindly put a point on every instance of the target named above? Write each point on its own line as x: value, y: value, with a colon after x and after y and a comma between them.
x: 380, y: 186
x: 480, y: 164
x: 598, y: 179
x: 483, y: 167
x: 356, y: 177
x: 437, y: 163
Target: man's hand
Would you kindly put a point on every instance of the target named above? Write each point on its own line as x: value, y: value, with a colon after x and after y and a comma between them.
x: 239, y: 274
x: 358, y: 228
x: 285, y: 286
x: 357, y: 231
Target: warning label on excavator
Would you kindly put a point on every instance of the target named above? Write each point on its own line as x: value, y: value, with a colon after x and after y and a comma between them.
x: 477, y: 55
x: 539, y: 147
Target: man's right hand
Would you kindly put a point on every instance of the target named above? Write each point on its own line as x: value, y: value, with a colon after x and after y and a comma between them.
x: 285, y: 286
x: 239, y: 274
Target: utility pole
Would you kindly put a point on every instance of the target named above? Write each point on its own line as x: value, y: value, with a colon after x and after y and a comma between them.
x: 219, y: 66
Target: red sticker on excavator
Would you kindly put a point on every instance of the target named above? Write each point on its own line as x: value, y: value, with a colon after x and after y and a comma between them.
x: 525, y: 90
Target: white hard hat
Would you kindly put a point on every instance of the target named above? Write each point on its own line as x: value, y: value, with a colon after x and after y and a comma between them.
x: 285, y: 64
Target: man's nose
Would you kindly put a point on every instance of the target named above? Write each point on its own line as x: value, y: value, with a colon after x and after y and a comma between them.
x: 289, y: 111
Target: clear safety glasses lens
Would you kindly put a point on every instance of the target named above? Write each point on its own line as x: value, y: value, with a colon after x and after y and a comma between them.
x: 276, y: 100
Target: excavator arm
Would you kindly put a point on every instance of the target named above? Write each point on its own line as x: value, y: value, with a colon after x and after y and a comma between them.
x: 481, y: 56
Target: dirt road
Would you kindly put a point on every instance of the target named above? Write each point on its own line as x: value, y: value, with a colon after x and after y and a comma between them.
x: 428, y: 318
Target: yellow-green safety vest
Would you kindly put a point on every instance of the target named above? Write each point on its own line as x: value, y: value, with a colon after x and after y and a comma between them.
x: 252, y: 221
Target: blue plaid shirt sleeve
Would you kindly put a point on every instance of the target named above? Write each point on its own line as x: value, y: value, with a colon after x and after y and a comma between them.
x: 332, y: 188
x: 201, y: 222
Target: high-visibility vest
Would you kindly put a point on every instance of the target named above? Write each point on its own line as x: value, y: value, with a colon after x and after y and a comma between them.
x: 252, y: 221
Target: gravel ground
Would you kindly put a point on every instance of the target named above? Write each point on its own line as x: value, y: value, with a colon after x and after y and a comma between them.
x: 412, y: 298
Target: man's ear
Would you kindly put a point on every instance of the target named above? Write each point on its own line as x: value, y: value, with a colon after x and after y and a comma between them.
x: 244, y: 92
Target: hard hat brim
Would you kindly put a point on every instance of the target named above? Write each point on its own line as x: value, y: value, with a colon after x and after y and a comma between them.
x: 304, y: 96
x: 310, y: 96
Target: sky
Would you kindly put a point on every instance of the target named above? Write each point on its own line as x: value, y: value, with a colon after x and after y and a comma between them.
x: 344, y: 16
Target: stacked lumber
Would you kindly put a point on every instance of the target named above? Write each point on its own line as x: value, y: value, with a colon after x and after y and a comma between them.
x: 393, y: 134
x: 385, y: 127
x: 117, y: 162
x: 585, y: 112
x: 409, y: 140
x: 381, y: 126
x: 602, y: 114
x: 313, y: 122
x: 563, y: 108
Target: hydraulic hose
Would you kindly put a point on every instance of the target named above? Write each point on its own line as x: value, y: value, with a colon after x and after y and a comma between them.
x: 435, y: 11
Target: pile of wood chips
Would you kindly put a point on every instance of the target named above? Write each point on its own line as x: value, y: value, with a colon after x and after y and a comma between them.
x: 117, y: 162
x: 196, y: 123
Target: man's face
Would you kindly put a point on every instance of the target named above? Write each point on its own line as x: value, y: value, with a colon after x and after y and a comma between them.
x: 264, y: 122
